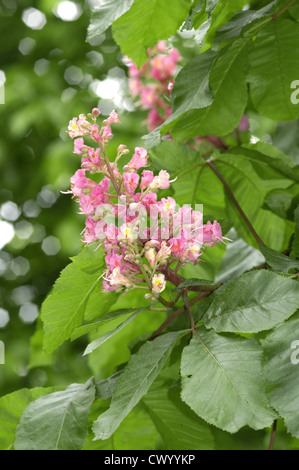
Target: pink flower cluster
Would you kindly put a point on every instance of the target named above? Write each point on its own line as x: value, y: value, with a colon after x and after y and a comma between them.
x: 154, y: 82
x: 119, y: 204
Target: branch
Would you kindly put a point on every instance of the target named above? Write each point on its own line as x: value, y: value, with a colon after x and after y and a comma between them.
x: 235, y: 202
x: 177, y: 313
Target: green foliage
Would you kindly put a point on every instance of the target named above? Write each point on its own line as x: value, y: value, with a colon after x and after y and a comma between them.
x: 147, y: 22
x: 166, y: 409
x: 222, y: 381
x: 57, y: 421
x: 134, y: 382
x: 154, y: 387
x: 273, y: 67
x: 253, y: 302
x: 63, y: 310
x: 107, y: 14
x: 281, y: 367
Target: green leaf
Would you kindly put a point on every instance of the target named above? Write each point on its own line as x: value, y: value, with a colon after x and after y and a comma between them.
x: 229, y: 88
x: 249, y: 189
x: 102, y: 339
x: 262, y: 156
x: 37, y: 356
x: 63, y: 309
x: 105, y: 15
x: 195, y: 184
x: 194, y: 283
x: 11, y: 409
x: 256, y: 301
x: 220, y: 12
x: 295, y: 245
x: 191, y: 89
x: 279, y: 262
x: 283, y: 201
x: 165, y: 407
x: 134, y: 382
x: 274, y: 65
x: 57, y: 421
x: 294, y: 11
x: 222, y: 381
x: 238, y: 258
x: 104, y: 387
x: 281, y: 368
x: 136, y: 432
x: 84, y: 329
x: 241, y: 19
x: 146, y: 23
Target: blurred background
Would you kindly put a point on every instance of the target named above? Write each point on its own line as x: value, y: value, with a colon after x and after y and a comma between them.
x: 50, y: 74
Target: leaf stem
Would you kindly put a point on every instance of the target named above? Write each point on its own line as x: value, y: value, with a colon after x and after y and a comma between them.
x: 177, y: 313
x: 235, y: 202
x: 186, y: 302
x: 273, y: 432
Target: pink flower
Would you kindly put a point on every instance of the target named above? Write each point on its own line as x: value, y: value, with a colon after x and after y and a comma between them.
x: 112, y: 119
x: 89, y: 232
x: 113, y: 260
x: 177, y: 246
x: 158, y: 283
x: 150, y: 255
x: 149, y: 199
x: 149, y: 96
x: 78, y: 144
x: 93, y: 160
x: 131, y: 181
x: 154, y: 120
x: 107, y: 133
x: 94, y: 133
x: 244, y: 124
x: 161, y: 181
x: 147, y: 178
x: 135, y: 86
x: 164, y: 253
x: 139, y: 159
x: 163, y: 66
x: 75, y: 128
x: 212, y: 233
x: 80, y: 182
x: 133, y: 70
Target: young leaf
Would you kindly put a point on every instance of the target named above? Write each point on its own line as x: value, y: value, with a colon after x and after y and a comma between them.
x: 105, y: 15
x: 222, y: 381
x: 165, y: 407
x: 102, y: 339
x: 274, y: 65
x: 281, y: 367
x: 278, y: 262
x: 82, y: 330
x: 283, y: 201
x: 57, y: 421
x: 256, y: 301
x: 134, y: 382
x: 146, y: 23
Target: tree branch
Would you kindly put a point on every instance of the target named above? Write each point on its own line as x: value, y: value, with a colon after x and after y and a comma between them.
x: 235, y: 202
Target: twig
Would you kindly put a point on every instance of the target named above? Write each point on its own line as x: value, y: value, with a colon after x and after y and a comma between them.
x: 177, y: 313
x: 235, y: 202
